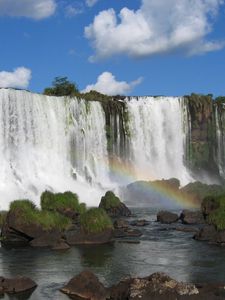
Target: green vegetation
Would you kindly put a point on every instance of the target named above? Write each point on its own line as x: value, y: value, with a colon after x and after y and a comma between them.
x: 201, y: 190
x: 46, y: 219
x: 60, y: 201
x: 3, y: 215
x: 95, y: 220
x: 217, y: 215
x: 61, y: 86
x: 110, y: 200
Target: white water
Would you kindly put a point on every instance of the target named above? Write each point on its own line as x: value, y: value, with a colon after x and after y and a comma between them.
x: 60, y: 144
x: 220, y: 140
x: 40, y: 136
x: 158, y: 136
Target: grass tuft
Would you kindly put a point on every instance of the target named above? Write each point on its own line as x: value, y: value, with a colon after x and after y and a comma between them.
x: 95, y: 220
x: 110, y: 200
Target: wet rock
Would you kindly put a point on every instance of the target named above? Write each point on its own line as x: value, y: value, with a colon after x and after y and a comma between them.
x: 48, y: 239
x: 17, y: 284
x: 61, y: 245
x: 139, y: 223
x: 167, y: 217
x: 187, y: 229
x: 121, y: 223
x: 113, y: 206
x: 86, y: 286
x: 128, y: 232
x: 192, y: 217
x: 207, y: 233
x: 78, y: 237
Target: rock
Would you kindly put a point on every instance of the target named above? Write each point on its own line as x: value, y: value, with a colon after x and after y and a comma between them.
x: 192, y: 217
x: 86, y: 286
x: 113, y: 206
x: 139, y: 223
x: 207, y: 233
x: 128, y: 232
x: 121, y: 223
x: 17, y: 284
x: 62, y: 245
x: 187, y: 229
x: 167, y: 217
x: 209, y: 204
x: 77, y: 237
x: 15, y: 230
x: 48, y: 239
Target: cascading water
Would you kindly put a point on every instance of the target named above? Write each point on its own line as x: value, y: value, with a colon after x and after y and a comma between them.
x: 220, y: 135
x: 47, y: 141
x: 157, y: 137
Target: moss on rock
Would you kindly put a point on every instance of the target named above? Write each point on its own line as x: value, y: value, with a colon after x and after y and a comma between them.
x: 29, y: 214
x: 60, y: 201
x: 95, y: 220
x: 110, y: 200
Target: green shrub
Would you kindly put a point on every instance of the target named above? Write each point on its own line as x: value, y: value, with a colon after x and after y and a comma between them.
x: 3, y: 215
x: 67, y: 200
x: 217, y: 215
x: 110, y: 200
x: 46, y: 219
x: 95, y: 220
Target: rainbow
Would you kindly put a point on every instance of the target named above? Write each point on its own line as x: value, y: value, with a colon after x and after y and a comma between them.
x: 124, y: 173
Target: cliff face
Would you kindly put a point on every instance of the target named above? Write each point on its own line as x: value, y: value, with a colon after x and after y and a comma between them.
x: 202, y: 135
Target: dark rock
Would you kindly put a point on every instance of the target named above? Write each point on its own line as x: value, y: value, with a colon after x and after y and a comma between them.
x: 121, y: 291
x: 15, y: 230
x: 48, y: 239
x: 128, y: 232
x: 121, y: 223
x: 167, y: 217
x: 16, y: 285
x: 86, y: 286
x: 139, y: 223
x: 61, y: 245
x: 187, y: 229
x: 69, y: 213
x: 113, y: 206
x: 77, y: 237
x: 209, y: 204
x: 207, y: 233
x: 192, y: 217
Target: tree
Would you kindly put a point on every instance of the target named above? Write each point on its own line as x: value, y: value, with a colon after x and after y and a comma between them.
x: 61, y: 86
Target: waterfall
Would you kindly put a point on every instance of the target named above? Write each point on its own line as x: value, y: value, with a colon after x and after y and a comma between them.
x: 158, y: 128
x: 220, y: 135
x: 51, y: 143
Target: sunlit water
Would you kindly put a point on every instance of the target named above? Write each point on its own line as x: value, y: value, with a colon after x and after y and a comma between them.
x: 170, y: 251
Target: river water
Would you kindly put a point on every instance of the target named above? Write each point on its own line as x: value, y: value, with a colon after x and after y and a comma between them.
x: 160, y: 250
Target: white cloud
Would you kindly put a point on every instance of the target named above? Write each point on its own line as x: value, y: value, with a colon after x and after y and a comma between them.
x: 73, y: 10
x: 19, y: 78
x: 91, y: 2
x: 35, y: 9
x: 159, y: 26
x: 107, y: 84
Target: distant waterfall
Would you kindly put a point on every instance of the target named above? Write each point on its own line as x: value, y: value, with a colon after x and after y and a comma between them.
x: 157, y: 136
x: 51, y: 143
x: 88, y: 147
x: 220, y: 135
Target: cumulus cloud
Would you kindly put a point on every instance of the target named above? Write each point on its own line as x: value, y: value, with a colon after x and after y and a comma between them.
x: 107, y: 84
x: 73, y: 10
x: 35, y: 9
x: 19, y: 78
x: 91, y: 2
x: 159, y: 26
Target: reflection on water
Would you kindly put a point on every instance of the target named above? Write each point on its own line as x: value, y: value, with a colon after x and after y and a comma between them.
x: 170, y: 251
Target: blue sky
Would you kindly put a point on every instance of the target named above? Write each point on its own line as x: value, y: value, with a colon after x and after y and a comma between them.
x: 148, y: 47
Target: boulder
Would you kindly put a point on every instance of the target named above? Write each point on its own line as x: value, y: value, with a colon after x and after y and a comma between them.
x: 139, y: 223
x: 121, y: 223
x: 15, y: 230
x: 167, y: 217
x: 209, y: 204
x: 127, y: 232
x: 192, y: 217
x: 78, y: 237
x: 207, y: 233
x: 113, y: 206
x: 86, y: 286
x: 17, y: 284
x: 48, y: 239
x: 61, y: 245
